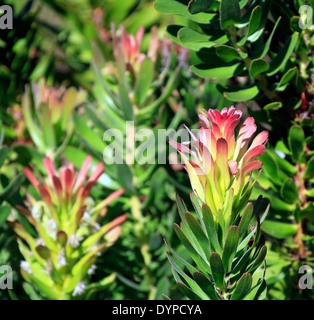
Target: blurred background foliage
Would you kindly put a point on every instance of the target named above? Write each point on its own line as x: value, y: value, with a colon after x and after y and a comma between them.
x: 188, y: 63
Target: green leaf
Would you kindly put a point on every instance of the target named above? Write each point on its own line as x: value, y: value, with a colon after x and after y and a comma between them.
x: 259, y: 259
x: 206, y: 285
x: 175, y: 7
x: 309, y: 171
x: 187, y: 244
x: 227, y: 53
x: 258, y: 66
x: 264, y: 50
x: 43, y: 251
x: 279, y: 230
x: 296, y: 140
x: 47, y: 128
x: 4, y: 151
x: 195, y: 287
x: 270, y: 166
x: 254, y: 23
x: 187, y: 291
x: 186, y: 34
x: 230, y: 248
x: 241, y: 95
x: 273, y: 105
x: 144, y: 81
x: 217, y: 72
x: 294, y: 24
x: 211, y: 230
x: 88, y: 134
x: 177, y: 33
x: 286, y: 78
x: 245, y: 220
x: 243, y: 287
x: 280, y: 60
x: 4, y: 213
x: 196, y: 6
x: 255, y: 20
x: 126, y: 104
x: 187, y: 264
x: 165, y: 297
x: 12, y: 187
x: 198, y: 232
x: 289, y: 191
x: 31, y: 291
x: 218, y: 270
x: 229, y: 12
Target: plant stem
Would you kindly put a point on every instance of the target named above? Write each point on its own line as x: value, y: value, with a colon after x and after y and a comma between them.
x: 139, y: 229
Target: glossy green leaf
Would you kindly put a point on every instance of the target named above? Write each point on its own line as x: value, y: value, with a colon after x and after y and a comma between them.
x: 255, y: 20
x: 259, y: 259
x: 264, y: 50
x: 245, y: 220
x: 287, y: 77
x: 176, y: 32
x: 206, y: 285
x: 289, y: 191
x: 186, y: 34
x: 198, y: 232
x: 258, y: 66
x: 279, y: 230
x: 187, y: 291
x: 176, y: 7
x: 241, y: 95
x: 243, y: 287
x: 194, y: 286
x: 296, y: 140
x: 217, y: 269
x: 309, y: 171
x: 280, y: 60
x: 217, y: 72
x: 196, y: 6
x: 144, y: 81
x: 211, y: 230
x: 186, y: 264
x: 294, y: 24
x: 270, y: 166
x: 227, y: 53
x: 229, y: 12
x: 230, y: 248
x: 273, y: 105
x: 187, y: 244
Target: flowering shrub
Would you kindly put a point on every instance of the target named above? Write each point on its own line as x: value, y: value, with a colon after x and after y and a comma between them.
x: 108, y: 84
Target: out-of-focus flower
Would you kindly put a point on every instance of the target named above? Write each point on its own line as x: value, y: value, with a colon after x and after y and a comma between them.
x: 221, y: 166
x: 47, y: 114
x: 67, y: 244
x: 128, y: 46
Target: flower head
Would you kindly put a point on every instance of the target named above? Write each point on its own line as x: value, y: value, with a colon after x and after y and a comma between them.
x: 66, y: 238
x: 129, y: 46
x: 220, y: 164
